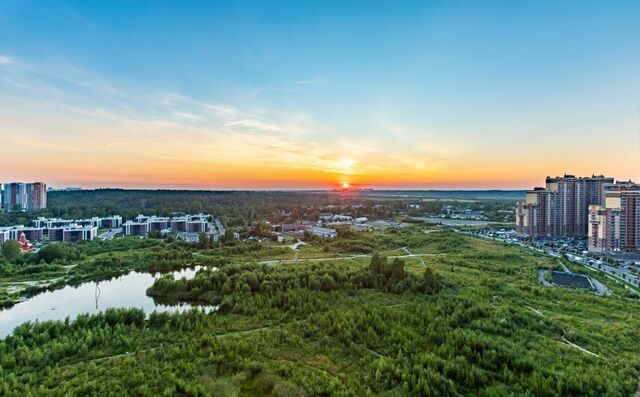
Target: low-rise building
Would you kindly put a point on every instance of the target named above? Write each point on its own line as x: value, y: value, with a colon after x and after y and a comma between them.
x: 93, y: 222
x: 48, y: 223
x: 111, y: 222
x: 326, y: 216
x: 4, y: 235
x: 291, y: 227
x: 56, y: 233
x: 158, y: 223
x: 323, y: 231
x: 31, y: 233
x: 197, y: 225
x: 79, y: 233
x: 131, y: 228
x: 179, y: 224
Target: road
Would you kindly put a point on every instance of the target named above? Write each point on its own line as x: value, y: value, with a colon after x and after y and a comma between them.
x: 219, y: 226
x: 110, y: 234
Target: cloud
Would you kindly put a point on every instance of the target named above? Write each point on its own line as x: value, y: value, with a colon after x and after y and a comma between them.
x: 315, y: 80
x: 255, y: 124
x: 162, y: 132
x: 5, y: 60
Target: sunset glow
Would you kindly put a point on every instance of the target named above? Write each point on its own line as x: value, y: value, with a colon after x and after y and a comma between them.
x: 207, y: 108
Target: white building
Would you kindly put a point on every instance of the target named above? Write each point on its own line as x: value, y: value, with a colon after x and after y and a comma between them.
x: 323, y: 231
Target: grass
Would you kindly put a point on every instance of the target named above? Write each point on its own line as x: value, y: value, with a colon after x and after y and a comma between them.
x: 368, y: 342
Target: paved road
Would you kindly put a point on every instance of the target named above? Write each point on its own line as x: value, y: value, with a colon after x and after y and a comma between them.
x: 219, y: 226
x: 110, y: 234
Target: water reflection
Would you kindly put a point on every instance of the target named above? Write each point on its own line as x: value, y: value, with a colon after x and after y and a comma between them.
x: 91, y: 297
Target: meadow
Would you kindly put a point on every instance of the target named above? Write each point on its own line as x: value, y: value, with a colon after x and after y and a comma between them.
x: 401, y: 312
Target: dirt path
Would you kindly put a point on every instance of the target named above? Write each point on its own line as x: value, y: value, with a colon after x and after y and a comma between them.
x: 538, y: 312
x: 578, y: 347
x: 335, y: 258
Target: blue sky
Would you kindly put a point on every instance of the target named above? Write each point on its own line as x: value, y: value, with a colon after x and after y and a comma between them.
x: 305, y: 94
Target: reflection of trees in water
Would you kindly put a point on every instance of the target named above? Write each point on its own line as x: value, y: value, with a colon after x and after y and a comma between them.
x: 97, y: 294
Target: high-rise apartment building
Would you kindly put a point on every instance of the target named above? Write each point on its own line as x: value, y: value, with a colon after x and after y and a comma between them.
x: 575, y: 195
x: 24, y: 196
x: 615, y: 226
x: 36, y: 196
x: 561, y: 209
x: 538, y: 215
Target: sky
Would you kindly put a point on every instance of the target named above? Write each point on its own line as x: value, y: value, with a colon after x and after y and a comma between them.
x: 315, y: 94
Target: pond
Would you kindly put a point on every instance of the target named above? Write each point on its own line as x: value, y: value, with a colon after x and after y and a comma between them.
x: 90, y: 297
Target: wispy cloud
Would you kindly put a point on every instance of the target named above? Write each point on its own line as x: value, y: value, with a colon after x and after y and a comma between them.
x: 5, y: 60
x: 254, y: 124
x: 176, y: 135
x: 315, y: 80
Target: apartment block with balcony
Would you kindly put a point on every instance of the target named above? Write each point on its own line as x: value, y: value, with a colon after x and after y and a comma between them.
x: 615, y: 226
x: 537, y: 217
x: 562, y: 207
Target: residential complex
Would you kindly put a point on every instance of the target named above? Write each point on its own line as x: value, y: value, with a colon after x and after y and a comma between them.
x: 72, y: 232
x: 187, y: 227
x: 561, y: 208
x: 595, y: 207
x: 24, y: 196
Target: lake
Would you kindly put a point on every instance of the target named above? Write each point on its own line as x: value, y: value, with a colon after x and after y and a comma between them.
x: 90, y: 297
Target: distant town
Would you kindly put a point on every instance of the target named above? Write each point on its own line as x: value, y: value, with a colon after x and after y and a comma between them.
x: 190, y: 228
x: 596, y: 213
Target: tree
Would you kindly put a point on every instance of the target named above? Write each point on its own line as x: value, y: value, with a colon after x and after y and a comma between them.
x: 228, y: 236
x: 430, y: 282
x: 377, y: 263
x: 203, y: 240
x: 261, y: 229
x: 52, y: 252
x: 11, y: 250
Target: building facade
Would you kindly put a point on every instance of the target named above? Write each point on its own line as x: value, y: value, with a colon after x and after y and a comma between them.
x: 79, y: 233
x: 135, y: 228
x: 615, y: 226
x: 538, y: 216
x: 562, y: 207
x: 24, y: 196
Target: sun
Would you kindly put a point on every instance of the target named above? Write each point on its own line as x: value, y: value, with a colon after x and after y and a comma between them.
x: 346, y: 185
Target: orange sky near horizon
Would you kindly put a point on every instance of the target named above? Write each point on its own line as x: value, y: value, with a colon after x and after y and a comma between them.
x: 169, y: 154
x: 301, y: 96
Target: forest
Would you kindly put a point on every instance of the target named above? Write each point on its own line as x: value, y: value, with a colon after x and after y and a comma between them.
x: 419, y: 311
x: 242, y: 208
